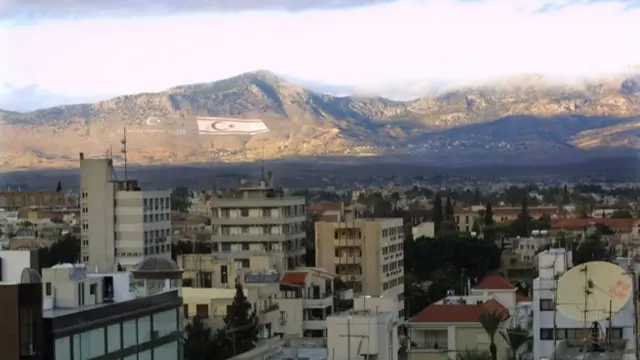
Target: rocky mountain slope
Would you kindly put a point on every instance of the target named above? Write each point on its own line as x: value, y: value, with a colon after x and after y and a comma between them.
x: 517, y: 114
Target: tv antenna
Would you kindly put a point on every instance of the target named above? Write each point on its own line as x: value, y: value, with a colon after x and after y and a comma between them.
x: 592, y: 292
x: 124, y: 152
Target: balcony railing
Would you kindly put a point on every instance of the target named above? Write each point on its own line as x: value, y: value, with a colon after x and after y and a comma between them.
x: 270, y: 308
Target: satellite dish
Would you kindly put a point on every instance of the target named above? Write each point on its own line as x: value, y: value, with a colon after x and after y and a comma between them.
x: 593, y: 291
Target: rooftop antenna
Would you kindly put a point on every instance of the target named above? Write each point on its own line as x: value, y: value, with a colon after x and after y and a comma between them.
x: 124, y: 152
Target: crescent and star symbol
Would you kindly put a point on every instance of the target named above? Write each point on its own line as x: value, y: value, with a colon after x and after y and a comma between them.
x: 221, y: 126
x: 153, y: 121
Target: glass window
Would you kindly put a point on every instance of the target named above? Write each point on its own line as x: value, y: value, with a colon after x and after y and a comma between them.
x: 166, y: 352
x: 145, y: 355
x: 113, y: 338
x: 129, y: 334
x: 93, y: 342
x: 63, y: 348
x: 144, y: 329
x: 132, y: 357
x: 166, y: 322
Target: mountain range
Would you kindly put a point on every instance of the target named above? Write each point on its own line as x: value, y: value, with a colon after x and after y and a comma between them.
x: 511, y: 118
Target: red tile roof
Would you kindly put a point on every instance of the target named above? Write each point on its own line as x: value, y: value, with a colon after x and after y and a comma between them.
x: 522, y: 298
x: 576, y: 224
x: 493, y: 282
x: 294, y: 278
x: 456, y: 313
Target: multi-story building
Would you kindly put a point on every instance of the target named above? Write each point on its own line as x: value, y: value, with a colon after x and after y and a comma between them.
x: 352, y: 247
x: 306, y: 300
x: 465, y: 218
x: 368, y: 334
x: 120, y: 223
x: 71, y: 313
x: 259, y: 219
x: 556, y: 336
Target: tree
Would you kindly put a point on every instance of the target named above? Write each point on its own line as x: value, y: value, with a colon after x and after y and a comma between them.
x: 241, y: 323
x: 565, y: 195
x: 490, y: 321
x: 438, y: 215
x: 448, y: 210
x: 64, y: 250
x: 180, y: 199
x: 198, y: 344
x: 593, y: 248
x: 59, y: 187
x: 488, y: 214
x: 515, y: 337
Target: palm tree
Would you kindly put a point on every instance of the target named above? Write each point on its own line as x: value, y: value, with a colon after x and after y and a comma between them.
x: 473, y: 354
x: 515, y: 337
x: 490, y: 321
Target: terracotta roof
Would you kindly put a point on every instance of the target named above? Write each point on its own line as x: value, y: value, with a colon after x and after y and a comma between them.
x: 456, y: 313
x: 323, y: 206
x: 522, y: 298
x: 294, y: 278
x: 575, y: 224
x: 493, y: 282
x: 329, y: 218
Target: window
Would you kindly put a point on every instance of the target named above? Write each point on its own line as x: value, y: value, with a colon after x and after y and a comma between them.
x: 244, y: 212
x: 145, y: 355
x: 546, y: 305
x: 27, y: 328
x: 113, y: 338
x: 245, y: 246
x: 165, y: 323
x: 185, y: 311
x: 93, y: 289
x: 88, y: 344
x: 63, y: 348
x: 144, y: 329
x: 202, y: 310
x: 546, y: 334
x: 616, y: 333
x: 48, y: 289
x: 166, y: 352
x: 129, y: 334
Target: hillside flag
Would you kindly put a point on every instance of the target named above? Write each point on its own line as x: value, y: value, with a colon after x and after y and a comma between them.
x: 228, y: 126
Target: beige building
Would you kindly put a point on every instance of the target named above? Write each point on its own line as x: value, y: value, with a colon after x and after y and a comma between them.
x: 257, y: 220
x: 211, y: 304
x: 352, y: 247
x: 465, y: 218
x: 120, y: 223
x: 306, y: 300
x: 221, y: 270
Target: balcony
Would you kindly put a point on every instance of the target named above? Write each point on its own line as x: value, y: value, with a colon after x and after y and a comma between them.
x: 257, y: 220
x: 270, y: 308
x: 345, y: 259
x: 320, y: 301
x: 347, y: 242
x: 239, y: 238
x: 314, y: 324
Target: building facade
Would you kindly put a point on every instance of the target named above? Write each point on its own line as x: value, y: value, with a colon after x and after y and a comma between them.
x: 352, y: 247
x: 258, y: 220
x: 120, y: 223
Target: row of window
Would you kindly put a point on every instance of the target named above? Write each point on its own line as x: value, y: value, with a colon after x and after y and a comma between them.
x: 295, y: 210
x: 398, y: 230
x: 577, y: 334
x: 157, y: 217
x: 105, y: 340
x: 157, y: 203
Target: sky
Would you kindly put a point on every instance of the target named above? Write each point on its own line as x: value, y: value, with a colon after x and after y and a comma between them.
x: 93, y: 47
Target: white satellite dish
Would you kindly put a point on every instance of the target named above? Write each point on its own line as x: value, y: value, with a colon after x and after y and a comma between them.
x: 593, y: 291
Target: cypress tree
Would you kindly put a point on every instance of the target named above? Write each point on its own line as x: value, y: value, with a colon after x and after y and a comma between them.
x: 488, y: 215
x: 241, y: 323
x: 437, y: 213
x: 448, y: 210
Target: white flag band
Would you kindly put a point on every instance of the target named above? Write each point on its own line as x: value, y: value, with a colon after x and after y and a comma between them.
x: 228, y: 126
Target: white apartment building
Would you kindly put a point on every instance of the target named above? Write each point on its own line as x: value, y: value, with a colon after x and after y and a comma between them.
x: 120, y: 223
x: 306, y: 300
x: 567, y: 342
x: 358, y: 334
x: 259, y: 219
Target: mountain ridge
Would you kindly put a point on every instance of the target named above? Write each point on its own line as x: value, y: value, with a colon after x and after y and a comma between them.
x: 305, y: 122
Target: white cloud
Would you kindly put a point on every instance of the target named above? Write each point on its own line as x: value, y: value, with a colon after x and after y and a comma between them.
x: 409, y: 39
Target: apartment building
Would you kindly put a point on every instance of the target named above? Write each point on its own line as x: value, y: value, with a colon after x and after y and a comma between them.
x: 259, y: 219
x: 465, y: 218
x: 306, y: 300
x: 211, y: 304
x: 120, y: 223
x: 221, y: 270
x: 357, y: 334
x: 352, y: 247
x: 70, y: 313
x: 13, y: 262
